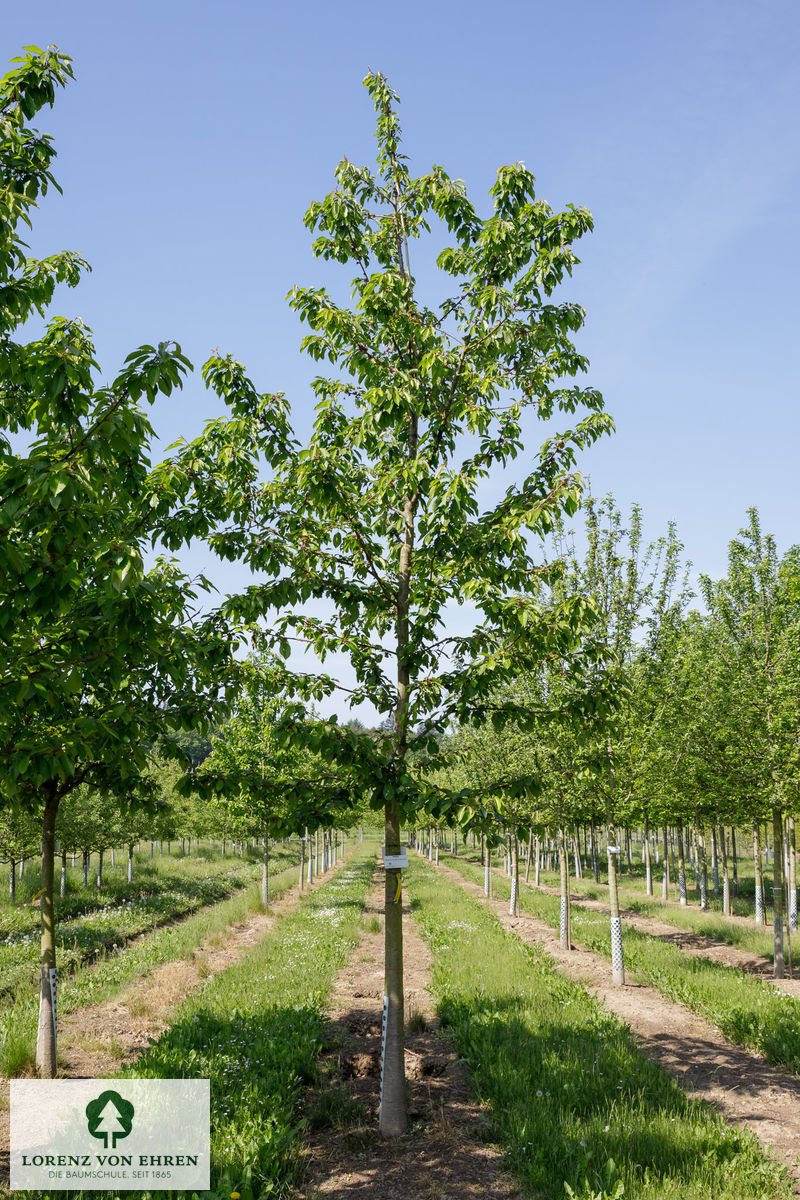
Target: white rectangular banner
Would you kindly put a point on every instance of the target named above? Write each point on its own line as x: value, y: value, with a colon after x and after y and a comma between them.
x: 100, y: 1134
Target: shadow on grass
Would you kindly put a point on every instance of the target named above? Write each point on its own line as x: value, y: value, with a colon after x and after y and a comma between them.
x: 576, y: 1102
x: 258, y: 1065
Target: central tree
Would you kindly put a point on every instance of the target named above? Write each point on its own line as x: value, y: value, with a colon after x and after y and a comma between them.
x: 380, y: 514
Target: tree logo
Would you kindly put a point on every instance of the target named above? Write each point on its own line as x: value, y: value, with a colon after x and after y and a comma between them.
x: 109, y: 1116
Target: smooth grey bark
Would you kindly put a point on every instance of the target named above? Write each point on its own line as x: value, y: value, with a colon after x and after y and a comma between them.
x: 648, y: 866
x: 617, y: 956
x: 702, y: 860
x: 265, y: 868
x: 726, y: 883
x: 777, y: 892
x: 665, y: 868
x: 792, y: 877
x: 393, y: 1119
x: 513, y: 904
x: 565, y: 923
x: 681, y: 865
x: 757, y: 872
x: 46, y: 1061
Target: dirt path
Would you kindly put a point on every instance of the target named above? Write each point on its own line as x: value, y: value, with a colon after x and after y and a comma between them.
x: 697, y: 945
x: 442, y: 1157
x: 746, y: 1090
x: 96, y: 1039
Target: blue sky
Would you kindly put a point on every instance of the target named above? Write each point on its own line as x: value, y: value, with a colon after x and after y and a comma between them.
x: 195, y: 135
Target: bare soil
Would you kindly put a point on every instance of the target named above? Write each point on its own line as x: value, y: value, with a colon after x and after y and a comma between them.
x: 444, y: 1155
x: 740, y: 1084
x: 95, y: 1040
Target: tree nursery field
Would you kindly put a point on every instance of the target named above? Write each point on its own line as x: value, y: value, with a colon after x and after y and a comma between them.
x: 533, y: 933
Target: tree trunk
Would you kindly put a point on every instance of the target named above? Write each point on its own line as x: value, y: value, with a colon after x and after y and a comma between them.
x: 735, y: 863
x: 681, y: 866
x: 528, y: 856
x: 617, y: 957
x: 726, y: 883
x: 714, y: 859
x: 100, y: 868
x: 46, y: 1059
x: 792, y: 878
x: 565, y: 924
x: 702, y: 862
x: 538, y: 859
x: 130, y: 863
x: 393, y: 1121
x: 595, y: 862
x: 757, y: 872
x: 648, y: 866
x: 302, y: 863
x: 310, y: 869
x: 62, y: 891
x: 777, y: 892
x: 12, y: 881
x: 85, y: 868
x: 265, y: 869
x: 665, y: 869
x: 513, y: 907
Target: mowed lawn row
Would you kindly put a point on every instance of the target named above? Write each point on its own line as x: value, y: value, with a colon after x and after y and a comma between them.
x: 256, y: 1031
x: 581, y: 1111
x: 120, y: 960
x: 739, y: 931
x: 748, y: 1011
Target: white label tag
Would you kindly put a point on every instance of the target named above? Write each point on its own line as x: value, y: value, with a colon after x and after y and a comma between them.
x: 395, y: 862
x: 53, y: 1001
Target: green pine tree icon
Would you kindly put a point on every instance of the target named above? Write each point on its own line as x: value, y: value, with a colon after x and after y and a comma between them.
x: 110, y: 1116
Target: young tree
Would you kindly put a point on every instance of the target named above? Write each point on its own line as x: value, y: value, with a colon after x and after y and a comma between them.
x: 380, y: 514
x: 754, y: 616
x: 639, y: 592
x: 98, y: 657
x: 253, y: 769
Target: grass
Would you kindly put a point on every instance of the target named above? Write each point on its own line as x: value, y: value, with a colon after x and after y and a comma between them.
x: 712, y: 924
x: 333, y: 1108
x: 19, y: 1014
x: 94, y: 922
x: 574, y: 1101
x: 746, y: 1010
x: 256, y: 1031
x: 156, y: 875
x: 415, y: 1021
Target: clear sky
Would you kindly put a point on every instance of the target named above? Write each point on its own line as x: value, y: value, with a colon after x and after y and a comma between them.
x: 196, y: 133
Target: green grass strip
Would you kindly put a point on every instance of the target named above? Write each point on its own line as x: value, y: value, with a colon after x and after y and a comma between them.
x: 92, y: 985
x: 575, y: 1102
x: 713, y: 924
x: 256, y: 1031
x: 745, y: 1009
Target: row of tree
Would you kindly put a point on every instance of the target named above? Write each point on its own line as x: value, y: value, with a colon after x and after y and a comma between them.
x: 703, y: 726
x: 583, y: 688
